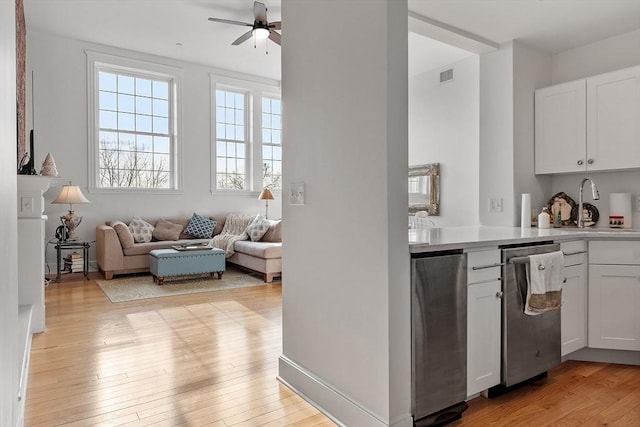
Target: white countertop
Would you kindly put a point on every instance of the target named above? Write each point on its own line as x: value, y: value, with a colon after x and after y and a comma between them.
x: 448, y: 238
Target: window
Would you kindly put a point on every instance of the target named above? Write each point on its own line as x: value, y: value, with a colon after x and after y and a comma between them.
x: 134, y: 116
x: 247, y: 137
x: 271, y: 146
x: 231, y: 140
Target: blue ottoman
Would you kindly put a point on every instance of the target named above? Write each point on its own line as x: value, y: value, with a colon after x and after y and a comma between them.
x: 170, y: 262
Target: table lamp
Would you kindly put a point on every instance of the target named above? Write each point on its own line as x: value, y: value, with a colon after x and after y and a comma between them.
x: 71, y: 194
x: 266, y: 196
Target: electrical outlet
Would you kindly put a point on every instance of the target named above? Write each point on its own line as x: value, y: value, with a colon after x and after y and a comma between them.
x: 495, y: 204
x: 26, y: 204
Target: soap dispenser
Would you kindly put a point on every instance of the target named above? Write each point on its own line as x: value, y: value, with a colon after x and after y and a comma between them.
x: 544, y: 219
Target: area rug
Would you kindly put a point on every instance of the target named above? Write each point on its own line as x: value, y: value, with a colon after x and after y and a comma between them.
x: 132, y: 288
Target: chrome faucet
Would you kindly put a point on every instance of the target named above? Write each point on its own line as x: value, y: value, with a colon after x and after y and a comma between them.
x: 594, y: 193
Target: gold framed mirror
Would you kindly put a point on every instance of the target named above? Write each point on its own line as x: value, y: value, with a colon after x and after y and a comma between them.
x: 424, y: 188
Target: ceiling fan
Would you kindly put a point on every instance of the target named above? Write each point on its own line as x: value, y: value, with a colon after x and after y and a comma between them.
x: 261, y: 28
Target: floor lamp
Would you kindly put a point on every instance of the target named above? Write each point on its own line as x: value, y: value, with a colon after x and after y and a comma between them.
x: 266, y: 196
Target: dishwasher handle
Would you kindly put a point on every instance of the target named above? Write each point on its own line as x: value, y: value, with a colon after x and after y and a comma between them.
x: 482, y: 267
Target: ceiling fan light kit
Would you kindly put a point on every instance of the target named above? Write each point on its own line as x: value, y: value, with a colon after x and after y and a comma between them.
x: 261, y: 29
x: 261, y: 33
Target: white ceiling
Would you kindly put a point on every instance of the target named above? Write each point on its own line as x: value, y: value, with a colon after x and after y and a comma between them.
x: 155, y: 26
x: 550, y: 25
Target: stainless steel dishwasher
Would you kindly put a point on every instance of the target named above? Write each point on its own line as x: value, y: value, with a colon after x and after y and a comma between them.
x: 439, y: 337
x: 530, y: 344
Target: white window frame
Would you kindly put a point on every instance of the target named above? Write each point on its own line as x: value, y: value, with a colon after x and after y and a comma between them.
x: 255, y: 88
x: 97, y: 62
x: 274, y: 97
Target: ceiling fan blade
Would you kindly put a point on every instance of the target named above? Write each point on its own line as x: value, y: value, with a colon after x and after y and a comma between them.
x: 276, y: 25
x: 260, y: 11
x: 243, y: 38
x: 274, y: 37
x: 229, y: 21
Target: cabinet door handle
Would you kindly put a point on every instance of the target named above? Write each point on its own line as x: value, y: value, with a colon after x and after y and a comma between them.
x: 564, y: 280
x: 574, y: 253
x: 590, y: 161
x: 499, y: 294
x: 580, y: 162
x: 482, y: 267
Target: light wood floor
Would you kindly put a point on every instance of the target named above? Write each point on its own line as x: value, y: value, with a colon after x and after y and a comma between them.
x: 207, y: 359
x: 210, y: 359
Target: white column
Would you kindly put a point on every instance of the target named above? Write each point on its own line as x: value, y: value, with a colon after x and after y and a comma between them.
x: 346, y: 338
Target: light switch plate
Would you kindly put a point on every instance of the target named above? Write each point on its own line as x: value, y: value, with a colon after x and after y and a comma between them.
x: 296, y: 193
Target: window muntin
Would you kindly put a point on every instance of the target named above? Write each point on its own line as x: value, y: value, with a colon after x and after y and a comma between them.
x: 237, y: 134
x: 271, y: 143
x: 231, y: 140
x: 135, y: 118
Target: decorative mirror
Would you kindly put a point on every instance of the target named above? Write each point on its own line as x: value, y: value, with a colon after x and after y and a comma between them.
x: 424, y: 188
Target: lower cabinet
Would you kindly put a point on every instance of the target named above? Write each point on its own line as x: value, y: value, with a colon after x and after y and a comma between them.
x: 614, y: 307
x: 573, y: 329
x: 574, y: 309
x: 483, y: 336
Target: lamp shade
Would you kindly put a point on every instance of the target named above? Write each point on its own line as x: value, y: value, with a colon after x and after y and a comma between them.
x: 265, y: 195
x: 70, y: 194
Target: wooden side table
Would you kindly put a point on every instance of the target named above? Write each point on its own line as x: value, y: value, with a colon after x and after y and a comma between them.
x: 60, y: 246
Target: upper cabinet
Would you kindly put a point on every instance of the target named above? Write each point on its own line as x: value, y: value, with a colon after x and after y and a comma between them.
x: 561, y: 128
x: 613, y: 120
x: 591, y: 124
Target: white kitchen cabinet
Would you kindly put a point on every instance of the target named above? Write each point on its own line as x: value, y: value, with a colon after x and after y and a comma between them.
x: 483, y: 336
x: 614, y: 295
x: 590, y: 124
x: 484, y: 307
x: 574, y: 309
x: 560, y: 128
x: 574, y: 297
x: 613, y: 120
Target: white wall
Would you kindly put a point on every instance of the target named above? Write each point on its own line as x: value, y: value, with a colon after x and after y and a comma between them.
x: 531, y: 71
x: 346, y: 298
x: 496, y: 136
x: 9, y: 366
x: 596, y: 58
x: 444, y: 128
x: 59, y: 66
x: 508, y: 79
x: 610, y: 54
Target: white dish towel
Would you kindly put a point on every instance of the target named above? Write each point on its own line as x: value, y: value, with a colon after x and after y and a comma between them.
x: 544, y: 282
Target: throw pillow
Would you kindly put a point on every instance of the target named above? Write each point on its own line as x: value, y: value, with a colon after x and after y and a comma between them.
x: 142, y: 231
x: 274, y: 234
x: 124, y: 234
x: 200, y: 227
x: 257, y: 228
x: 166, y: 230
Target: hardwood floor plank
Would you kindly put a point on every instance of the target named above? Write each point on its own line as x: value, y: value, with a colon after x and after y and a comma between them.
x: 574, y: 394
x: 211, y: 359
x: 184, y: 360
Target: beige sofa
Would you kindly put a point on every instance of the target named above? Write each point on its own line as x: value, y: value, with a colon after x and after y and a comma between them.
x: 264, y: 256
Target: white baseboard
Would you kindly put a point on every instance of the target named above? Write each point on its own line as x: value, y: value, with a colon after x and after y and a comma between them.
x: 339, y: 408
x: 625, y: 357
x: 25, y: 313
